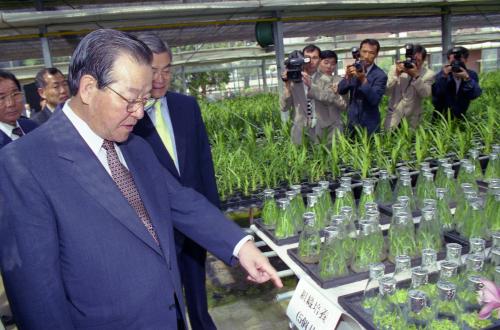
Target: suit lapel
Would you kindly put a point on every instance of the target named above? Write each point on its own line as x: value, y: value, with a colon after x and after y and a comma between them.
x: 4, y: 139
x: 93, y: 178
x: 179, y: 126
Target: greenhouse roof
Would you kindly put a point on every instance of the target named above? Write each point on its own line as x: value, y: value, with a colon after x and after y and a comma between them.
x: 188, y: 22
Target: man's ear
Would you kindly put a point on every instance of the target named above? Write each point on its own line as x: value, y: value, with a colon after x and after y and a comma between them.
x: 41, y: 92
x: 87, y: 88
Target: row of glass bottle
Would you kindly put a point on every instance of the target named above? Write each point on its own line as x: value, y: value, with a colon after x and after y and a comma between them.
x: 427, y: 305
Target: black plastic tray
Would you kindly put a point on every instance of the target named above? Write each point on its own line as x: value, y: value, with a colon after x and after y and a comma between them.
x: 455, y: 237
x: 313, y: 270
x: 270, y: 234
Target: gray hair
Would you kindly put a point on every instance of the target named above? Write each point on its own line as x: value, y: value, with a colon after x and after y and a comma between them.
x: 155, y: 43
x: 96, y: 54
x: 40, y: 76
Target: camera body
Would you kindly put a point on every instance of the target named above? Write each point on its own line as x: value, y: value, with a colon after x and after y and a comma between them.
x: 456, y: 64
x: 358, y: 63
x: 295, y: 65
x: 409, y: 61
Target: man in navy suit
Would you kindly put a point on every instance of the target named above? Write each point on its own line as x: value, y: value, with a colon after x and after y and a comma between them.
x: 366, y: 87
x: 454, y: 88
x: 86, y: 235
x: 53, y: 88
x: 189, y: 160
x: 12, y: 126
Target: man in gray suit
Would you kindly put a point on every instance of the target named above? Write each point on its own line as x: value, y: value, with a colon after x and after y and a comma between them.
x: 328, y: 103
x: 53, y: 88
x: 295, y: 98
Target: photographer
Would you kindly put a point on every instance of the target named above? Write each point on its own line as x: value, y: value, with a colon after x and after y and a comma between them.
x: 296, y: 89
x: 455, y: 85
x: 409, y: 82
x: 365, y: 82
x: 328, y: 102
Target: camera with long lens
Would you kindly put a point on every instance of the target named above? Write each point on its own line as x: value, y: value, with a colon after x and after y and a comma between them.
x: 409, y: 61
x: 457, y: 64
x: 358, y: 63
x: 295, y: 65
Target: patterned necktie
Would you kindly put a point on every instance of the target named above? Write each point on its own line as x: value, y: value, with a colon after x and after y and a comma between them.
x: 162, y: 128
x: 125, y: 183
x: 17, y: 131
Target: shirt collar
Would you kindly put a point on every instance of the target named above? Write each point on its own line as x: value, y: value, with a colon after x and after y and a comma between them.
x: 368, y: 69
x: 93, y: 140
x: 7, y: 128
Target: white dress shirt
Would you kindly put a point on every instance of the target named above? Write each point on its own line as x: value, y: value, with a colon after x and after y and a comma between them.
x: 7, y: 129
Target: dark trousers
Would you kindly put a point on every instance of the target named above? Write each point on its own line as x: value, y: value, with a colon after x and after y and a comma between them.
x: 191, y: 259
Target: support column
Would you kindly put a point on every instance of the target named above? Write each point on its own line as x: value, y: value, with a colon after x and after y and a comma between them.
x: 263, y: 74
x: 183, y: 77
x: 279, y: 49
x: 42, y: 29
x: 445, y: 32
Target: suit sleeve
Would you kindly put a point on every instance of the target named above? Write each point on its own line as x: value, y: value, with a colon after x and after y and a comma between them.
x: 194, y: 216
x: 374, y: 92
x: 286, y: 100
x: 423, y: 85
x: 344, y: 86
x: 393, y: 80
x: 206, y: 164
x: 471, y: 88
x: 30, y: 256
x: 323, y: 92
x: 439, y: 88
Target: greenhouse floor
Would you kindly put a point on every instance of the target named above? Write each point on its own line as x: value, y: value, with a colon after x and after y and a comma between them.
x: 235, y: 303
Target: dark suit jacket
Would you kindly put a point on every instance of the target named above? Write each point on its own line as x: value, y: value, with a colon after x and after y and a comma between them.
x: 365, y: 99
x: 445, y: 96
x: 193, y: 149
x: 26, y: 125
x: 74, y: 253
x: 42, y: 116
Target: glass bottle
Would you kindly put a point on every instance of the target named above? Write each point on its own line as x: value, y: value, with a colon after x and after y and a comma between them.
x: 370, y: 293
x: 366, y: 196
x: 405, y: 201
x: 477, y: 245
x: 327, y: 198
x: 387, y: 313
x: 493, y: 168
x: 443, y: 211
x: 419, y: 277
x: 474, y: 264
x: 449, y: 272
x: 347, y: 212
x: 474, y: 159
x: 402, y: 270
x: 447, y: 306
x: 340, y: 200
x: 429, y: 232
x: 428, y: 189
x: 493, y: 262
x: 383, y: 190
x: 429, y: 260
x: 371, y: 206
x: 474, y: 224
x: 300, y: 200
x: 397, y: 208
x: 466, y: 174
x: 468, y: 292
x: 421, y: 184
x: 284, y: 224
x: 462, y: 210
x: 450, y: 184
x: 439, y: 181
x: 366, y: 247
x: 419, y: 311
x: 270, y: 209
x: 440, y: 171
x: 349, y: 196
x: 424, y: 167
x: 321, y: 209
x: 406, y: 190
x: 309, y: 240
x: 402, y: 236
x: 334, y: 258
x: 454, y: 253
x: 294, y: 209
x: 492, y: 210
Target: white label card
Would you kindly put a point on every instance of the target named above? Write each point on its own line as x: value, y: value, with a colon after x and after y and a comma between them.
x: 310, y: 310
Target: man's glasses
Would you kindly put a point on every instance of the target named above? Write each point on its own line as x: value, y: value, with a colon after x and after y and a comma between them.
x: 16, y: 96
x: 134, y: 105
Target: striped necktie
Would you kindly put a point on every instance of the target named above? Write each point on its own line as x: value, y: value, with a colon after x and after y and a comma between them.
x: 162, y: 128
x: 17, y: 131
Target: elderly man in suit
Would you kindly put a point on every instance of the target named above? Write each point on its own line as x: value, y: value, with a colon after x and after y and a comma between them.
x: 12, y: 125
x: 87, y: 234
x: 53, y: 88
x: 174, y: 128
x: 366, y: 87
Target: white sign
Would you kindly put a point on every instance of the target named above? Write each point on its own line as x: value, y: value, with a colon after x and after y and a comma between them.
x: 310, y: 310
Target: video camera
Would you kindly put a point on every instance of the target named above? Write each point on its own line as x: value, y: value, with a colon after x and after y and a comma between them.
x: 457, y: 65
x: 295, y: 65
x: 358, y: 63
x: 409, y: 56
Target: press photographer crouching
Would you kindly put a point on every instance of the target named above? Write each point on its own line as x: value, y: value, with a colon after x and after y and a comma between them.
x: 299, y: 74
x: 455, y: 85
x: 365, y: 82
x: 409, y: 82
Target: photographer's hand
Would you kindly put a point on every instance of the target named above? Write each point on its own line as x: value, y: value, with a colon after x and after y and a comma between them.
x: 446, y: 70
x: 350, y: 71
x: 400, y: 68
x: 413, y: 71
x: 462, y: 74
x: 306, y: 79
